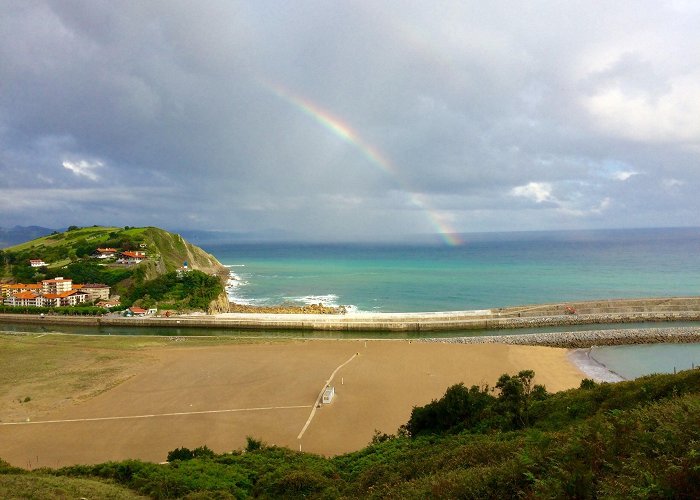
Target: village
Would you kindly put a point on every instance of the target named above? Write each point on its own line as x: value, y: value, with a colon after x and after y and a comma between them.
x: 62, y: 292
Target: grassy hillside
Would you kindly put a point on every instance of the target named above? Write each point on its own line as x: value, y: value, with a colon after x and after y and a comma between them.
x: 68, y: 254
x: 638, y: 439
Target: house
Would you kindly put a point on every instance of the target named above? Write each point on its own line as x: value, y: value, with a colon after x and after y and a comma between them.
x: 105, y: 253
x: 94, y: 291
x: 108, y: 303
x: 9, y: 290
x: 39, y: 299
x: 137, y: 311
x: 63, y: 299
x: 23, y: 299
x: 56, y: 285
x: 37, y: 263
x: 132, y: 257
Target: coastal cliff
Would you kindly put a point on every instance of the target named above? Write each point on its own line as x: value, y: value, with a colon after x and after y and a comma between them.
x: 171, y: 251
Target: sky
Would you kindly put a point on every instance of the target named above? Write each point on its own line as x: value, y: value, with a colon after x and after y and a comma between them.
x: 350, y: 120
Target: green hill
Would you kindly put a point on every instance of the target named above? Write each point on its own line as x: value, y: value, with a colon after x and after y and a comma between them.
x: 637, y: 439
x: 71, y: 254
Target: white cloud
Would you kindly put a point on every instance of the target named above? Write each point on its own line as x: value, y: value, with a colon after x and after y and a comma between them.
x: 640, y: 116
x: 535, y: 191
x: 624, y: 175
x: 576, y: 205
x: 84, y: 168
x: 672, y: 183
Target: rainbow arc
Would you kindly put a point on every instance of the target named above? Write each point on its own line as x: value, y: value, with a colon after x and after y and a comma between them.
x: 370, y: 152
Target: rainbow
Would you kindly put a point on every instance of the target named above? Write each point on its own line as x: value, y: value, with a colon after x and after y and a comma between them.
x: 372, y: 154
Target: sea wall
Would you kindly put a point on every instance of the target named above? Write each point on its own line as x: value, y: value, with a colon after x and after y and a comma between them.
x: 368, y: 322
x: 661, y: 310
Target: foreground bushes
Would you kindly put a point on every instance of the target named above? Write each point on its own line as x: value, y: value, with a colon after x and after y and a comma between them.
x: 637, y: 439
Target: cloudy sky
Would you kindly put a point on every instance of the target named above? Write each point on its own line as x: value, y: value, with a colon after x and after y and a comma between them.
x: 350, y: 119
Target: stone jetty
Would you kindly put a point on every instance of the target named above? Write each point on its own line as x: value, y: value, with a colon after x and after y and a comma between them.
x: 585, y: 339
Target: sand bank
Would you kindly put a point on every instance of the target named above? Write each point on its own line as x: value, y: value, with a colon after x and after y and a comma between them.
x: 190, y: 396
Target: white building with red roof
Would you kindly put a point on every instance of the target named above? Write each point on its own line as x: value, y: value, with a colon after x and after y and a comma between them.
x: 63, y: 299
x: 105, y: 253
x: 132, y: 257
x: 10, y: 289
x: 94, y: 291
x: 56, y: 285
x: 24, y: 299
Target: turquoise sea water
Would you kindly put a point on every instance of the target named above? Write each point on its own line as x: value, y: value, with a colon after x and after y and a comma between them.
x: 487, y: 271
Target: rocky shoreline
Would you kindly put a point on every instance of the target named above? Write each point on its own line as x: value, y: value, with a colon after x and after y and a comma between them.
x: 285, y: 309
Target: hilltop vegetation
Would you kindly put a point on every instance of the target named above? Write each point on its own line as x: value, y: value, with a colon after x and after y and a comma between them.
x: 638, y: 439
x: 69, y: 254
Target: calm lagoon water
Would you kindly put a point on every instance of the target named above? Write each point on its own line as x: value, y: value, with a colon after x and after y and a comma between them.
x: 632, y: 361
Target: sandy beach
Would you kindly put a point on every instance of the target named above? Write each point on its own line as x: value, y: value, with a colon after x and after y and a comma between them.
x: 179, y: 394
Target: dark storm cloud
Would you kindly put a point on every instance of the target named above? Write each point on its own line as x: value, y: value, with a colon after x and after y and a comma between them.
x: 488, y: 116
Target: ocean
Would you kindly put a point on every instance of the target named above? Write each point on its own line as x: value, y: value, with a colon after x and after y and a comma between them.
x: 488, y: 270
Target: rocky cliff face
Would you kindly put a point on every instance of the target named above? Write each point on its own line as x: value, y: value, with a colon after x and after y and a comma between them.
x: 170, y: 251
x: 220, y: 305
x: 173, y: 251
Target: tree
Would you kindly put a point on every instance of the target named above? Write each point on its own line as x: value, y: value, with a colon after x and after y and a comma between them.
x: 516, y: 395
x: 459, y: 408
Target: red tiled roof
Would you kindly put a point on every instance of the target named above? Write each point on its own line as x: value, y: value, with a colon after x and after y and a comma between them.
x: 135, y: 255
x: 26, y: 295
x: 19, y: 286
x: 62, y: 295
x: 137, y: 310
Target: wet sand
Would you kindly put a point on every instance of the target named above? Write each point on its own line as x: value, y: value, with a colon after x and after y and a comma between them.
x: 218, y: 395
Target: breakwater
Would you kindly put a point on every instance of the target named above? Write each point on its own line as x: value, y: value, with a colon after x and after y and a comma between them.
x: 586, y: 339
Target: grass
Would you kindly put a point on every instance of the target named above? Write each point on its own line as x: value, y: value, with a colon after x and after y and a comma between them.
x: 41, y: 487
x: 95, y: 234
x: 55, y: 369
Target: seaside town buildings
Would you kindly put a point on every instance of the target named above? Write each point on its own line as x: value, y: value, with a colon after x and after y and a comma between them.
x: 56, y: 292
x: 61, y: 291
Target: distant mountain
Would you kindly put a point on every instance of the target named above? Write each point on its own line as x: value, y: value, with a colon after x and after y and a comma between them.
x: 19, y: 234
